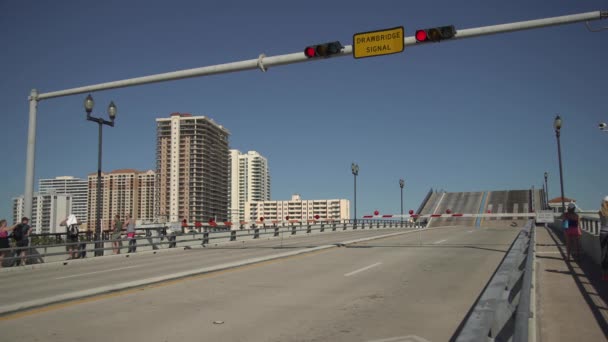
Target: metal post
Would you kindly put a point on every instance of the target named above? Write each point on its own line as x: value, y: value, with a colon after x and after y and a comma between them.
x: 98, y: 242
x: 561, y: 175
x: 28, y: 196
x: 546, y: 191
x: 401, y: 185
x: 355, y: 200
x: 354, y: 168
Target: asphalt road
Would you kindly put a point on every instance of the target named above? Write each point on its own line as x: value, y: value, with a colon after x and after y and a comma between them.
x: 23, y: 286
x: 381, y: 290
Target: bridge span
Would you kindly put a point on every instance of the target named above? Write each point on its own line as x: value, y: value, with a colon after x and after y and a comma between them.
x: 388, y: 284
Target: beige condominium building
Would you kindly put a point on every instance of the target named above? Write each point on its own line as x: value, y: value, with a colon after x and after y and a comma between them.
x: 124, y: 191
x: 192, y: 166
x: 249, y: 182
x: 298, y: 209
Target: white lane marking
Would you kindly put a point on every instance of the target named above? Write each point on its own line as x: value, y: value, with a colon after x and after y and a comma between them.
x: 548, y: 252
x: 440, y: 241
x: 408, y: 338
x: 470, y: 231
x: 83, y: 274
x: 362, y: 269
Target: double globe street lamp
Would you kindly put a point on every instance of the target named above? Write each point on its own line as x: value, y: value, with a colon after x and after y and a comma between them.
x: 88, y: 107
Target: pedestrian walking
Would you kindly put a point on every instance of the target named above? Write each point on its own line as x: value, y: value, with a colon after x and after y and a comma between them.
x: 573, y: 232
x: 21, y: 235
x: 4, y: 244
x: 116, y: 233
x: 130, y: 224
x: 72, y: 236
x: 604, y: 237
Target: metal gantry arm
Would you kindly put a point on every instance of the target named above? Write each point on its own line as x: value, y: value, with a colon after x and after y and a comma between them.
x: 263, y: 63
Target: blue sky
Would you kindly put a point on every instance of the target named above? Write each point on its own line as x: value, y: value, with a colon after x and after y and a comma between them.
x: 465, y: 115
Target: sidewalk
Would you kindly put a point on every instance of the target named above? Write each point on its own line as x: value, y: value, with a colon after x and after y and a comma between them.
x: 571, y: 299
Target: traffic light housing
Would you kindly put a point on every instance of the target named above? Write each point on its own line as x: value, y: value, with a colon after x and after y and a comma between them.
x: 323, y: 50
x: 435, y: 34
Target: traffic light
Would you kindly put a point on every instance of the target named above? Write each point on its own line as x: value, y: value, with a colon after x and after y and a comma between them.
x: 323, y: 50
x: 435, y: 34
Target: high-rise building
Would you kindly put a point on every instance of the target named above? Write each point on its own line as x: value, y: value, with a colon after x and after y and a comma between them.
x: 297, y: 209
x: 48, y: 210
x: 124, y: 191
x: 192, y: 167
x: 249, y: 182
x: 75, y: 187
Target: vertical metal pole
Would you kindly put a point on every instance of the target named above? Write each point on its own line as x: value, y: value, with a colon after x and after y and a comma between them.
x: 28, y: 194
x: 355, y: 200
x: 546, y: 192
x: 561, y: 176
x: 98, y: 243
x: 401, y: 204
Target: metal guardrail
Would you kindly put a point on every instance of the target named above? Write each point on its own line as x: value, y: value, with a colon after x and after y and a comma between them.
x: 157, y: 237
x: 503, y: 310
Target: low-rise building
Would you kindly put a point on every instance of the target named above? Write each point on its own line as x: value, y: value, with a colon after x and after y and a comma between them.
x: 298, y: 209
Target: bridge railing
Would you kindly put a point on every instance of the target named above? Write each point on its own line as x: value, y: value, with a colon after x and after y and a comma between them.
x: 503, y: 311
x: 590, y: 240
x: 46, y: 248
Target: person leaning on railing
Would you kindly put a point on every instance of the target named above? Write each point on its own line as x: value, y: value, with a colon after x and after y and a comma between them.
x: 604, y: 237
x: 116, y: 233
x: 130, y: 225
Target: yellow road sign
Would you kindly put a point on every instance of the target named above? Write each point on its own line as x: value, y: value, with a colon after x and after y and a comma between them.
x: 378, y: 43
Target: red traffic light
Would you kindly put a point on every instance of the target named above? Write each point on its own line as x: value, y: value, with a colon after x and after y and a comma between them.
x: 287, y: 218
x: 448, y: 211
x: 317, y: 217
x: 323, y: 50
x: 435, y: 34
x: 421, y: 36
x: 411, y: 212
x: 376, y: 212
x: 310, y: 52
x: 261, y: 219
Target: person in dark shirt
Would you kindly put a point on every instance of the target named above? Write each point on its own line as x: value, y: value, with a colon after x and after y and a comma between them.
x: 21, y: 234
x: 573, y: 232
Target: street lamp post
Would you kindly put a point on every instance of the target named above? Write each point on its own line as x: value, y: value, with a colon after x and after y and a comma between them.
x: 557, y: 124
x: 401, y: 185
x: 88, y: 107
x: 546, y: 190
x: 355, y: 170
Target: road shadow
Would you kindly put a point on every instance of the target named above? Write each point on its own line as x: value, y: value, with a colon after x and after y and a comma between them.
x: 591, y: 275
x: 548, y: 257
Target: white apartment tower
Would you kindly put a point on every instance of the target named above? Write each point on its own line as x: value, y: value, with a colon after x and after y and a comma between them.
x: 48, y: 210
x: 124, y: 191
x: 75, y: 187
x: 192, y: 168
x: 249, y: 182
